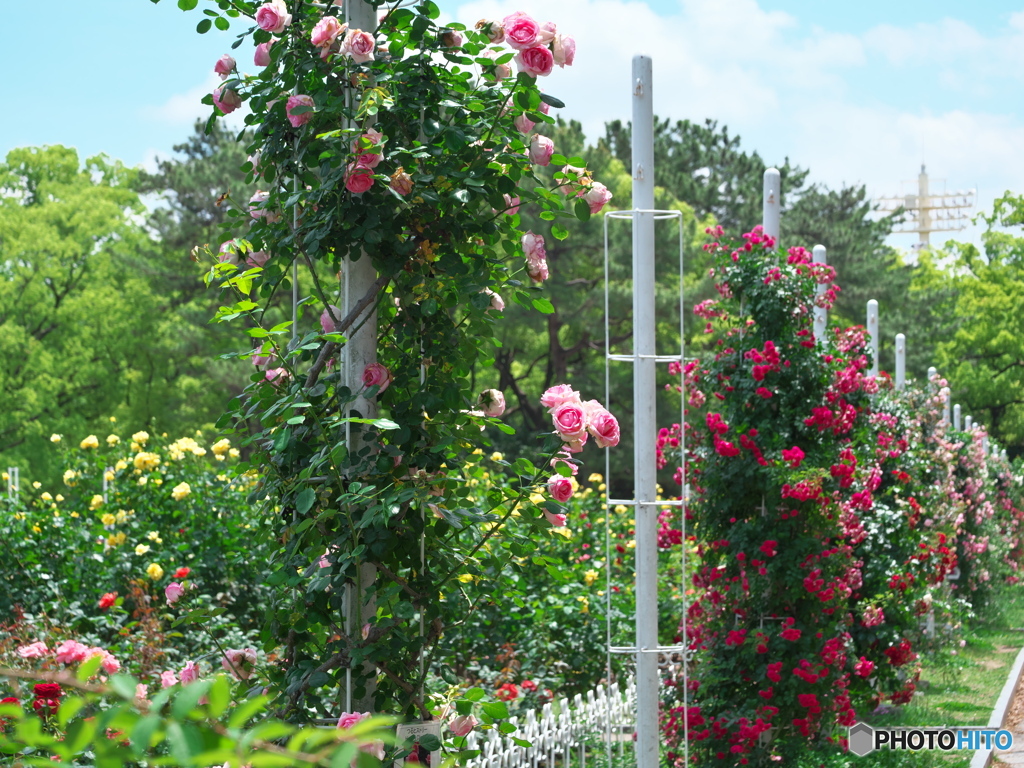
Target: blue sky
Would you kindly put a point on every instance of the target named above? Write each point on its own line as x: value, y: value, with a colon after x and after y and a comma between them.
x: 858, y: 92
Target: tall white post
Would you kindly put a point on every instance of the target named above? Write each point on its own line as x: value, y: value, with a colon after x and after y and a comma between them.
x: 644, y: 389
x: 901, y: 361
x: 359, y: 351
x: 873, y: 335
x: 772, y: 203
x: 984, y: 444
x: 820, y: 313
x: 968, y: 423
x: 945, y: 405
x: 932, y: 373
x: 956, y: 417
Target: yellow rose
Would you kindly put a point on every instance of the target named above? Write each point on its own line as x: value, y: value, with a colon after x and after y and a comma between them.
x: 58, y: 497
x: 96, y: 502
x: 113, y: 419
x: 154, y: 536
x: 595, y: 478
x: 69, y: 478
x: 146, y: 461
x: 45, y: 496
x: 54, y: 438
x: 234, y: 453
x: 37, y: 485
x: 180, y: 491
x: 496, y: 456
x: 36, y: 529
x: 109, y: 475
x: 90, y: 442
x: 620, y: 508
x: 121, y: 515
x: 141, y: 549
x: 221, y: 447
x: 113, y: 439
x: 465, y: 578
x: 584, y: 603
x: 141, y: 438
x: 590, y: 577
x: 121, y: 464
x: 154, y: 571
x: 107, y: 519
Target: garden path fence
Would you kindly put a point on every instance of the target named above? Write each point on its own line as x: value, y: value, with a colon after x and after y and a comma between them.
x: 564, y: 731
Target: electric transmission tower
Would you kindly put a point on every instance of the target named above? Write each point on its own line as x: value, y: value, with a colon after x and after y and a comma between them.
x: 928, y: 211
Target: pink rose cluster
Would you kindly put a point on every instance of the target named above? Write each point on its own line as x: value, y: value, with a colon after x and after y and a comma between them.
x: 369, y: 151
x: 239, y: 662
x: 536, y: 257
x: 539, y: 46
x: 349, y: 719
x: 71, y: 652
x: 578, y: 182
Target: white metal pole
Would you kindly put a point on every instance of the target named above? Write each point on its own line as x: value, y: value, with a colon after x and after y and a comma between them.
x: 873, y: 335
x: 968, y: 423
x: 932, y: 373
x: 984, y: 445
x: 956, y: 417
x: 644, y: 433
x: 772, y: 205
x: 901, y: 361
x: 820, y: 313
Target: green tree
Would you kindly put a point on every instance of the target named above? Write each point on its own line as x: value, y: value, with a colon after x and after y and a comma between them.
x: 984, y: 359
x: 76, y: 328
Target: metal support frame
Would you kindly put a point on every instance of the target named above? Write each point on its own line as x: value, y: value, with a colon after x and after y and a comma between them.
x: 772, y: 206
x: 872, y: 327
x: 820, y: 256
x: 901, y: 362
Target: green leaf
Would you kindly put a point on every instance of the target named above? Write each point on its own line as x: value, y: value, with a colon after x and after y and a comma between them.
x: 475, y: 694
x: 495, y: 709
x: 222, y: 24
x: 304, y: 501
x: 384, y: 424
x: 68, y: 709
x: 203, y: 26
x: 123, y: 686
x: 246, y: 711
x: 559, y: 232
x: 544, y: 306
x: 187, y: 5
x: 551, y: 101
x: 582, y: 209
x: 88, y: 668
x: 142, y: 733
x: 220, y: 696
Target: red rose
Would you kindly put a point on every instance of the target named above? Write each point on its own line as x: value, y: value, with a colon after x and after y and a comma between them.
x: 507, y: 692
x: 108, y: 600
x: 47, y: 691
x: 528, y: 685
x: 182, y: 572
x: 46, y: 707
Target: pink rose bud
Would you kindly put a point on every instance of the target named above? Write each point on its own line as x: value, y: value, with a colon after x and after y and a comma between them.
x: 277, y: 376
x: 225, y: 66
x: 368, y: 149
x: 327, y: 31
x: 451, y: 38
x: 273, y: 16
x: 167, y: 679
x: 401, y: 182
x: 523, y: 124
x: 462, y: 725
x: 520, y: 30
x: 558, y: 394
x: 359, y: 45
x: 348, y: 719
x: 541, y: 149
x: 239, y: 662
x: 302, y: 118
x: 257, y: 203
x: 557, y: 519
x: 511, y: 205
x: 492, y: 402
x: 366, y: 631
x: 536, y: 61
x: 173, y: 592
x: 358, y: 179
x: 597, y: 196
x: 326, y: 322
x: 226, y: 100
x: 500, y: 71
x: 376, y: 375
x: 560, y: 488
x: 493, y: 29
x: 227, y: 253
x: 262, y: 57
x: 563, y: 50
x: 547, y: 32
x: 497, y: 302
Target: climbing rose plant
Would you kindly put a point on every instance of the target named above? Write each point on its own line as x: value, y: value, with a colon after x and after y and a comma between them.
x: 413, y: 146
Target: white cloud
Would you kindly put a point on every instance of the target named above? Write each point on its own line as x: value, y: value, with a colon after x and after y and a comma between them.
x: 183, y: 109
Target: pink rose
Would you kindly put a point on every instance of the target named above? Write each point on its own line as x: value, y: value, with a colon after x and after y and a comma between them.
x: 109, y: 664
x: 864, y: 667
x: 537, y: 61
x: 262, y: 57
x: 564, y: 50
x: 570, y: 421
x: 263, y: 361
x: 462, y: 725
x: 520, y: 30
x: 190, y: 673
x: 557, y: 395
x: 167, y: 679
x: 302, y: 118
x: 359, y: 45
x: 225, y: 66
x: 239, y: 662
x: 560, y: 488
x: 141, y: 692
x: 533, y: 245
x: 493, y: 402
x: 70, y: 652
x: 511, y: 205
x: 256, y: 203
x: 602, y: 425
x: 537, y: 269
x: 367, y: 148
x: 326, y: 32
x: 273, y: 16
x: 452, y: 38
x: 541, y: 149
x: 493, y: 29
x: 173, y: 592
x: 401, y: 182
x: 329, y: 325
x: 597, y: 196
x: 376, y: 375
x: 557, y: 519
x: 257, y: 259
x: 500, y: 71
x: 277, y: 376
x: 358, y: 179
x: 523, y: 124
x: 226, y: 100
x: 227, y: 253
x: 33, y: 651
x: 348, y: 719
x: 497, y: 302
x: 547, y: 32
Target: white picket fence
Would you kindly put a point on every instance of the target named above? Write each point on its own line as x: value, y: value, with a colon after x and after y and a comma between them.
x: 560, y: 734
